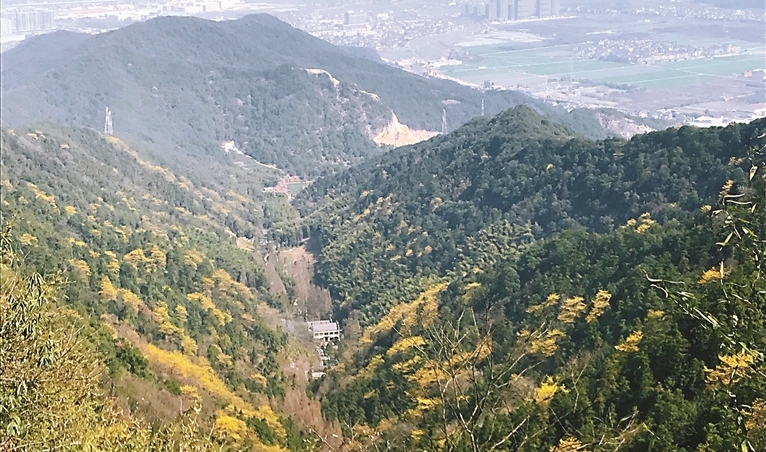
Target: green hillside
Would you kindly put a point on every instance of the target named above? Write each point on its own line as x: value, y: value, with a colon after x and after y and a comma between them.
x: 157, y: 277
x: 514, y: 287
x: 508, y: 287
x: 185, y: 85
x: 646, y: 338
x: 393, y: 223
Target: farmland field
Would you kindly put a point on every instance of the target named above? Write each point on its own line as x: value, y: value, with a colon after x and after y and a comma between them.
x: 518, y: 67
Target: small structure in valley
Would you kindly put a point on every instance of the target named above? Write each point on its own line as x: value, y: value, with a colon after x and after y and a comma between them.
x: 324, y: 330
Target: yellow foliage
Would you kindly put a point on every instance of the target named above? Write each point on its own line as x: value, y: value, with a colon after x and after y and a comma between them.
x: 80, y: 267
x: 202, y: 375
x: 39, y: 194
x: 655, y: 314
x: 183, y: 314
x: 227, y: 283
x: 190, y: 392
x: 192, y: 258
x: 569, y: 444
x: 225, y: 359
x: 375, y: 362
x: 731, y: 369
x: 631, y: 342
x: 74, y: 242
x: 108, y: 291
x: 188, y: 345
x: 156, y: 260
x: 135, y: 257
x: 646, y: 223
x: 228, y: 427
x: 422, y: 311
x: 27, y: 239
x: 726, y: 188
x: 429, y: 374
x: 550, y: 301
x: 113, y: 266
x: 546, y: 345
x: 468, y: 290
x: 131, y: 299
x: 408, y: 365
x: 547, y: 389
x: 208, y: 305
x: 713, y: 274
x: 160, y: 312
x: 425, y: 403
x: 123, y: 231
x: 643, y: 227
x: 266, y: 414
x: 258, y: 378
x: 405, y: 344
x: 571, y: 309
x: 756, y: 422
x: 599, y: 305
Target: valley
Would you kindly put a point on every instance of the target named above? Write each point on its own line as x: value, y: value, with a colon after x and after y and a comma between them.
x: 519, y: 277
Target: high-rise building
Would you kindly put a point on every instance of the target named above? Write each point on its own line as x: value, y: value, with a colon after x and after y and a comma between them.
x: 555, y: 7
x: 467, y: 9
x: 544, y: 8
x: 525, y: 9
x: 494, y: 10
x: 30, y: 20
x: 505, y: 10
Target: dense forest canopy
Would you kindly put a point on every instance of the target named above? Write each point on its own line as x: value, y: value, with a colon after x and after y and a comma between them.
x: 142, y: 274
x: 511, y: 286
x: 646, y: 332
x: 441, y: 206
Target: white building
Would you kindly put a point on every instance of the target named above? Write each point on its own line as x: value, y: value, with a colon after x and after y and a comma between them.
x: 5, y: 26
x: 325, y: 330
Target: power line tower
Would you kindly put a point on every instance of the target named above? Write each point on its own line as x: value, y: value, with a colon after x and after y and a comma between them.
x: 108, y: 122
x: 444, y: 121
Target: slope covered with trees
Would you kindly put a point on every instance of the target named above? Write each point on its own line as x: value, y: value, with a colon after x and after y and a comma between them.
x: 646, y: 338
x: 154, y: 275
x: 391, y: 225
x: 283, y: 96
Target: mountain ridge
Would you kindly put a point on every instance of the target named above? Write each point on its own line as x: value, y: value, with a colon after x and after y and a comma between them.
x: 413, y: 213
x: 181, y: 82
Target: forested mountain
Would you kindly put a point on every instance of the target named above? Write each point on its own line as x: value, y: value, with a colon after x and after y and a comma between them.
x: 647, y: 338
x: 520, y: 288
x: 154, y: 276
x: 283, y: 96
x: 393, y: 223
x: 511, y: 286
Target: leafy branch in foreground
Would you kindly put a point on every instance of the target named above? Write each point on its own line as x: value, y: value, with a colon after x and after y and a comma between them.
x: 729, y: 304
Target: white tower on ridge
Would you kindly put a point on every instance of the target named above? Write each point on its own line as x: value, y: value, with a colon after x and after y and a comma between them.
x: 108, y: 122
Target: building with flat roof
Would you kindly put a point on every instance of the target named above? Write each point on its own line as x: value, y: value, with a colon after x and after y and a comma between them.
x: 324, y: 330
x: 352, y: 18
